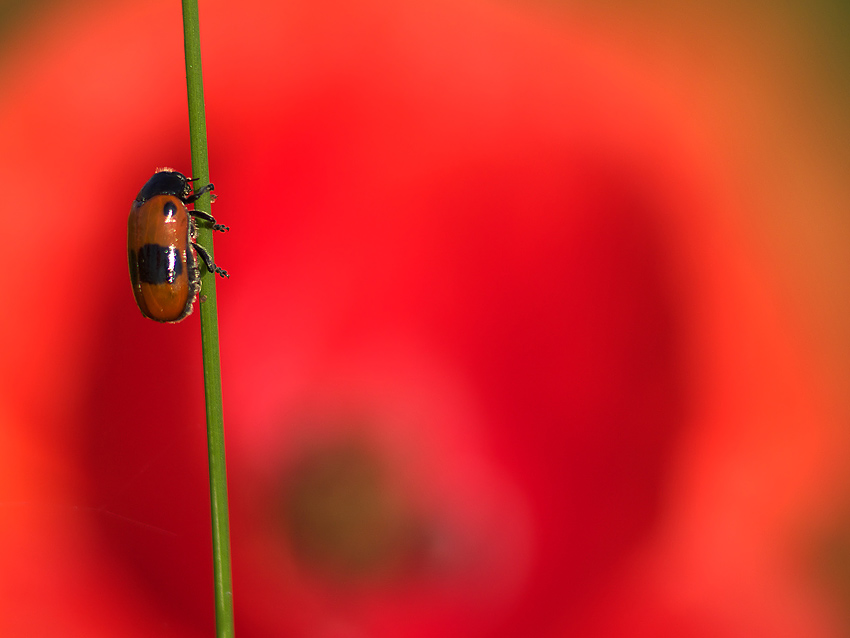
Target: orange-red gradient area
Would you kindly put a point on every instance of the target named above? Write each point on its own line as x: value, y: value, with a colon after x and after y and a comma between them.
x: 514, y: 344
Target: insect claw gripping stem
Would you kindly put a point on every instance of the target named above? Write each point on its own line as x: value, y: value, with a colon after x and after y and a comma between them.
x: 204, y: 189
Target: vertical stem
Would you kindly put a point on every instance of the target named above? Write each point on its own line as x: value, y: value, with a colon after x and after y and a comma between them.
x: 209, y: 333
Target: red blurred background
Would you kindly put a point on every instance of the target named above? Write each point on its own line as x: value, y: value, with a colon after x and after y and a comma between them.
x: 537, y: 322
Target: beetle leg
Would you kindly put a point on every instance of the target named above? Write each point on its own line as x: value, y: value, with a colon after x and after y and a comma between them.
x: 198, y: 192
x: 207, y: 217
x: 211, y: 267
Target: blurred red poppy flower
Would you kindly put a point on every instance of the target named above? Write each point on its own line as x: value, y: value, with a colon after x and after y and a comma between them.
x: 477, y: 313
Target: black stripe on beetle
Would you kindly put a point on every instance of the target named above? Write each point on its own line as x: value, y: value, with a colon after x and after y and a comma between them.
x: 159, y: 264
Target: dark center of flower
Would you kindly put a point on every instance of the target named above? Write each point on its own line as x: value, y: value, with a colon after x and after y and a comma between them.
x: 342, y: 514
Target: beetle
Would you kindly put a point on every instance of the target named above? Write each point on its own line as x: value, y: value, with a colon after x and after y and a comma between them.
x: 162, y: 249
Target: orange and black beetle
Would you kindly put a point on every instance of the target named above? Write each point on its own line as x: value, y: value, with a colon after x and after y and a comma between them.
x: 161, y: 246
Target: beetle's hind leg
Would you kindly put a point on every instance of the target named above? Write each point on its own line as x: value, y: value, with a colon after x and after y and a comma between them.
x: 205, y: 256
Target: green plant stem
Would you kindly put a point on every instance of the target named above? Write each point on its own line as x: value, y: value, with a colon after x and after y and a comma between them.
x: 209, y: 333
